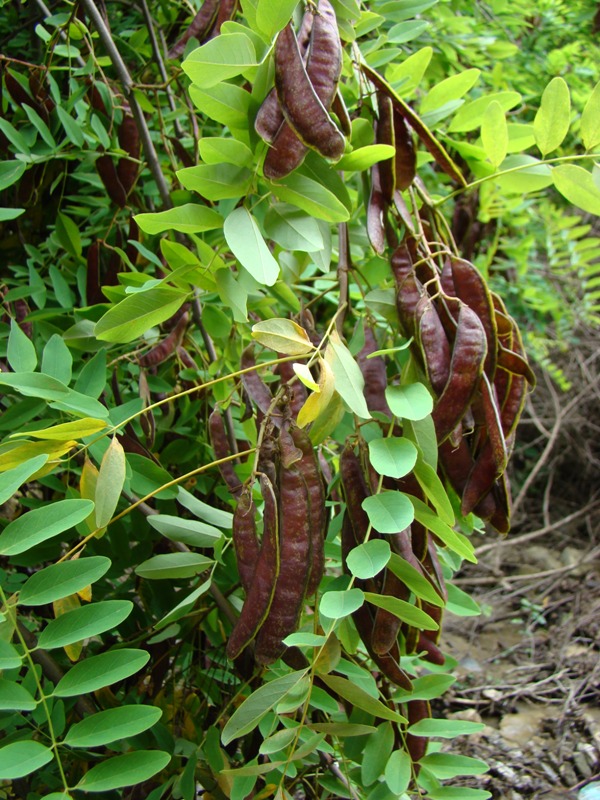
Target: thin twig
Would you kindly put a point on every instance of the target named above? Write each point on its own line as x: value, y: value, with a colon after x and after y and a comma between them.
x: 128, y: 86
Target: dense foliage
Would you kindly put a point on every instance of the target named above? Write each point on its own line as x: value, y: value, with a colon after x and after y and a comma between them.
x: 189, y: 346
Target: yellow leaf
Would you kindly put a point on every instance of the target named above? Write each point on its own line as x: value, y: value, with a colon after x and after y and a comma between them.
x: 68, y: 430
x: 283, y: 336
x: 17, y: 454
x: 87, y: 490
x: 317, y: 402
x: 109, y: 484
x: 304, y: 374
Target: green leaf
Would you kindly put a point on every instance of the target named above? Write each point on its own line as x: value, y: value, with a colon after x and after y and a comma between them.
x: 452, y: 88
x: 460, y: 603
x: 413, y: 401
x: 57, y: 360
x: 65, y: 431
x: 112, y: 725
x: 293, y: 229
x: 531, y: 176
x: 184, y: 606
x: 578, y: 186
x: 407, y: 31
x: 389, y: 511
x: 72, y: 128
x: 187, y: 531
x: 349, y: 380
x: 80, y: 404
x: 10, y: 172
x: 590, y: 120
x: 458, y: 793
x: 494, y: 133
x: 9, y: 657
x: 173, y: 565
x: 125, y: 770
x: 139, y: 312
x: 428, y: 687
x: 13, y: 478
x: 359, y: 698
x: 378, y: 749
x: 551, y: 123
x: 68, y: 235
x: 40, y: 524
x: 253, y: 709
x: 219, y: 59
x: 394, y: 456
x: 7, y: 214
x: 336, y: 605
x: 408, y: 73
x: 445, y: 728
x: 248, y: 246
x: 368, y: 559
x: 20, y: 351
x: 217, y: 149
x: 470, y: 116
x: 214, y: 516
x: 310, y: 196
x: 216, y: 181
x: 188, y: 218
x: 84, y: 622
x: 364, y: 157
x: 455, y: 541
x: 109, y: 484
x: 283, y: 336
x: 415, y: 581
x: 32, y: 384
x: 226, y: 104
x: 97, y: 672
x: 60, y: 580
x: 448, y: 765
x: 398, y: 772
x: 434, y: 490
x: 14, y: 697
x: 22, y: 758
x: 273, y: 17
x: 405, y: 611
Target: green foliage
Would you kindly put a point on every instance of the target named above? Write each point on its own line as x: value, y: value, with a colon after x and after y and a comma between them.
x: 124, y: 324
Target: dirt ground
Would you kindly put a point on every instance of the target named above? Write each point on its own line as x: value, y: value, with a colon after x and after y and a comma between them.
x: 530, y: 666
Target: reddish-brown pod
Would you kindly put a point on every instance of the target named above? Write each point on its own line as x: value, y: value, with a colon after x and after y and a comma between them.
x: 163, y: 350
x: 374, y: 372
x: 220, y: 443
x: 245, y: 539
x: 129, y: 140
x: 405, y: 161
x: 110, y: 179
x: 199, y: 28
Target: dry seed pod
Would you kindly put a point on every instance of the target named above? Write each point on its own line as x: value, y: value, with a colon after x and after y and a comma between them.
x: 376, y: 210
x: 220, y: 443
x: 434, y: 344
x: 163, y: 350
x: 299, y: 101
x: 384, y: 134
x: 199, y: 28
x: 110, y: 179
x: 129, y: 140
x: 295, y: 559
x: 375, y: 374
x: 245, y: 539
x: 387, y: 625
x: 405, y: 161
x: 257, y: 389
x: 285, y: 155
x: 262, y: 588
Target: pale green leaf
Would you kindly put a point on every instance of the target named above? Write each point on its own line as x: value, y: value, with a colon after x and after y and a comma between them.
x: 577, y: 185
x: 336, y: 605
x: 109, y: 483
x: 494, y: 134
x: 188, y: 218
x: 10, y: 172
x: 459, y: 793
x: 57, y: 360
x: 445, y: 728
x: 13, y: 478
x: 188, y: 531
x: 407, y: 31
x: 14, y: 697
x: 448, y: 765
x: 398, y: 772
x: 216, y: 181
x: 272, y: 17
x: 452, y: 88
x: 406, y: 75
x: 359, y: 698
x: 124, y: 770
x: 389, y: 511
x: 378, y: 749
x: 173, y: 565
x: 552, y: 120
x: 310, y: 196
x: 283, y: 336
x: 97, y: 672
x: 455, y: 541
x: 60, y: 580
x: 9, y: 657
x: 369, y: 558
x: 247, y: 244
x: 65, y: 430
x: 470, y: 116
x: 20, y: 352
x: 405, y: 611
x: 529, y: 175
x: 461, y: 603
x: 217, y: 149
x: 22, y: 758
x: 201, y: 510
x: 225, y: 103
x: 349, y: 380
x: 40, y: 524
x: 112, y: 725
x: 415, y: 580
x: 219, y: 59
x: 84, y: 622
x: 434, y: 490
x: 139, y: 312
x: 364, y: 157
x: 413, y: 401
x: 394, y: 456
x: 590, y: 120
x: 293, y: 229
x: 247, y: 716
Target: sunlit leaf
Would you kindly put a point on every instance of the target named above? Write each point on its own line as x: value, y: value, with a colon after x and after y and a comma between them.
x: 282, y: 335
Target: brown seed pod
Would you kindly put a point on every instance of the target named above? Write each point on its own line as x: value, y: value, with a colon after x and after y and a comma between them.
x: 409, y: 288
x: 405, y: 160
x: 199, y: 28
x: 257, y: 389
x: 110, y: 179
x: 416, y: 710
x: 245, y: 539
x: 262, y: 588
x: 375, y: 374
x: 376, y: 212
x: 129, y: 140
x: 220, y: 443
x: 300, y: 103
x: 434, y: 344
x: 384, y: 134
x: 387, y: 625
x: 163, y: 350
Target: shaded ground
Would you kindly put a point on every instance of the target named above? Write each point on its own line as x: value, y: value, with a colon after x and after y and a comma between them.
x: 530, y: 667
